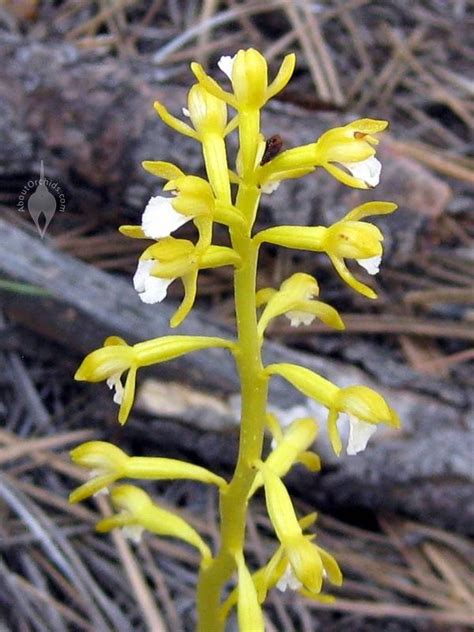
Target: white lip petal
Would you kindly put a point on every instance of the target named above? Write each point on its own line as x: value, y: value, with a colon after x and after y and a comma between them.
x: 150, y: 289
x: 359, y: 434
x: 114, y: 382
x: 225, y: 64
x: 132, y: 532
x: 143, y: 272
x: 159, y: 218
x: 186, y: 113
x: 297, y: 318
x: 367, y: 170
x: 372, y: 264
x: 270, y: 187
x: 289, y: 580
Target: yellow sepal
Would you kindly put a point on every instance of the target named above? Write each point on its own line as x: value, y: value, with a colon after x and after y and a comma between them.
x: 173, y: 122
x: 162, y: 169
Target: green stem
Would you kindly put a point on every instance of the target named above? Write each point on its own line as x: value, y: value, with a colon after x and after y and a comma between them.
x: 254, y: 388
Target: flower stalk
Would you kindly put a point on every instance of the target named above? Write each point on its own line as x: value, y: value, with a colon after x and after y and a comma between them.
x: 348, y: 154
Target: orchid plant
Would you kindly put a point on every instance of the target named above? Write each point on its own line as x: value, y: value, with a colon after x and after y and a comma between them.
x: 231, y: 197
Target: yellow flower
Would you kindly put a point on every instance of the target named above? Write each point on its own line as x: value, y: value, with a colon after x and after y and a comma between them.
x: 366, y: 409
x: 108, y: 464
x: 361, y: 403
x: 348, y: 238
x: 295, y: 299
x: 347, y: 153
x: 110, y: 363
x: 193, y: 199
x: 169, y: 259
x: 352, y: 146
x: 309, y: 562
x: 139, y: 512
x: 116, y: 357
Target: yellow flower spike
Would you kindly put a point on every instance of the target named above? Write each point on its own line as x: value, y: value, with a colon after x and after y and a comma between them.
x: 249, y: 613
x: 116, y: 356
x: 299, y: 435
x: 138, y: 510
x: 295, y: 300
x: 106, y: 462
x: 307, y: 382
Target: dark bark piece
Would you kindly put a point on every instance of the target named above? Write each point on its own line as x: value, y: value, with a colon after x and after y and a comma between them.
x: 426, y: 470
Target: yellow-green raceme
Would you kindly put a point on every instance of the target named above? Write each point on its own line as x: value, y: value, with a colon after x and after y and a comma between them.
x: 229, y: 194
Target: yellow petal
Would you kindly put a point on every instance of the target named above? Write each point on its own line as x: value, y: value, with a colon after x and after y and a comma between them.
x: 346, y: 276
x: 283, y: 76
x: 173, y: 122
x: 161, y: 169
x: 306, y: 563
x: 190, y: 287
x: 370, y: 208
x: 135, y: 232
x: 128, y: 396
